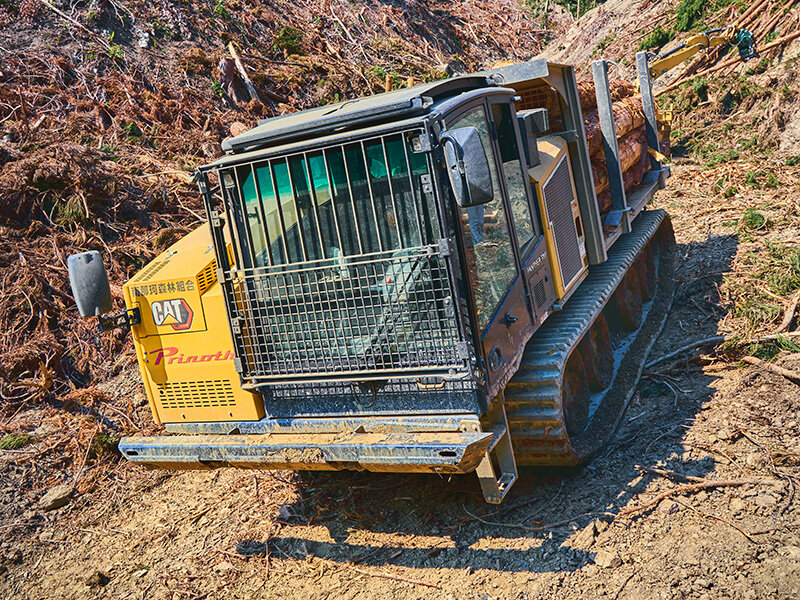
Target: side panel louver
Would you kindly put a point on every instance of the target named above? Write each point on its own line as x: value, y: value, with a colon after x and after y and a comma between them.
x: 559, y: 197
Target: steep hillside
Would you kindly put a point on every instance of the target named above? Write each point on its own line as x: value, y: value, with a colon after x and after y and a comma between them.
x: 106, y: 108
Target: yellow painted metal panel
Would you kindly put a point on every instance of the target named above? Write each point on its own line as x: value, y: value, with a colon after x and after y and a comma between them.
x: 549, y: 155
x: 183, y: 344
x: 551, y: 152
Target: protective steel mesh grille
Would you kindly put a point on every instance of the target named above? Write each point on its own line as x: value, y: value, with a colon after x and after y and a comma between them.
x: 558, y: 197
x: 356, y: 317
x: 196, y: 394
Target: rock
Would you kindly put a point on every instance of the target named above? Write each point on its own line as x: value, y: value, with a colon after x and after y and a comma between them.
x: 238, y: 128
x: 703, y: 583
x: 607, y: 559
x: 668, y: 506
x: 97, y: 579
x: 756, y: 460
x: 792, y: 552
x: 43, y: 430
x: 766, y: 500
x: 56, y: 497
x: 737, y: 505
x: 29, y: 515
x: 585, y: 538
x: 224, y: 566
x: 142, y: 38
x: 701, y: 496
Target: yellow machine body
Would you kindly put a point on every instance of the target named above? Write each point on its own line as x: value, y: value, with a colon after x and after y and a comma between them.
x: 552, y: 152
x: 183, y: 343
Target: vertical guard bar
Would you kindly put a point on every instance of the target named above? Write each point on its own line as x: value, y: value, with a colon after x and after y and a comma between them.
x: 619, y: 209
x: 262, y: 214
x: 649, y: 105
x: 216, y: 226
x: 279, y: 212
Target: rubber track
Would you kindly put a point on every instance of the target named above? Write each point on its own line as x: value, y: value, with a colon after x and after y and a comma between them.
x: 533, y: 397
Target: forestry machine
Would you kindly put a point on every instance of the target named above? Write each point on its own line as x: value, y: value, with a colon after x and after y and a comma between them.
x: 417, y: 281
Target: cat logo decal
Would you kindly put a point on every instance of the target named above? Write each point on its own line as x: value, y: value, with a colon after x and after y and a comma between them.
x: 175, y: 312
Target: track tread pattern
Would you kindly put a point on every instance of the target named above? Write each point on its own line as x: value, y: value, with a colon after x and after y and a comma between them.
x: 533, y: 396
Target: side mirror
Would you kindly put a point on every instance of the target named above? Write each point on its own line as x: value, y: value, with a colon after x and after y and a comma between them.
x: 467, y: 167
x: 89, y: 282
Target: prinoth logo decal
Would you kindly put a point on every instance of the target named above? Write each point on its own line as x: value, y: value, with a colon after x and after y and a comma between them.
x: 175, y: 312
x: 170, y: 355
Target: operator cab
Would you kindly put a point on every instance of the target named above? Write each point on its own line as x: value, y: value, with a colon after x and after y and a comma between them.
x: 390, y: 253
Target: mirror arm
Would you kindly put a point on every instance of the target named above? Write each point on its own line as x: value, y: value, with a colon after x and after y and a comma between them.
x: 125, y: 319
x: 447, y: 138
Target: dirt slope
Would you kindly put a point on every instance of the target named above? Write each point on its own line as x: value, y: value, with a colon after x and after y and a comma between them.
x: 129, y: 533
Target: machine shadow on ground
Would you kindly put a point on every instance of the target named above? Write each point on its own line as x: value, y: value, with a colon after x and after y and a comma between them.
x: 436, y: 522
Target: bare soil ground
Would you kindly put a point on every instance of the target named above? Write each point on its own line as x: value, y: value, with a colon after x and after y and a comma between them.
x: 608, y: 529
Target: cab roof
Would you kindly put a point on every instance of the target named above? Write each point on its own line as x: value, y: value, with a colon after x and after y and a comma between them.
x: 389, y: 106
x: 363, y: 112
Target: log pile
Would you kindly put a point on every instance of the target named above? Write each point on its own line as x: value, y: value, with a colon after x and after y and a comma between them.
x: 629, y: 122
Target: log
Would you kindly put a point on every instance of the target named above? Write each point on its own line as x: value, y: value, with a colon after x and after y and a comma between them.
x: 251, y: 90
x: 628, y: 115
x: 619, y: 89
x: 632, y: 148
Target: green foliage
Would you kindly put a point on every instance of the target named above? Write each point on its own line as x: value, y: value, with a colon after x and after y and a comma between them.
x: 781, y: 271
x: 761, y: 67
x: 688, y: 13
x: 730, y: 192
x: 162, y: 28
x: 105, y: 442
x: 115, y: 52
x: 378, y: 74
x: 700, y: 88
x: 216, y: 87
x: 220, y: 10
x: 756, y: 311
x: 69, y: 212
x: 92, y: 12
x: 753, y: 219
x: 132, y: 131
x: 793, y: 160
x: 15, y: 441
x: 772, y: 181
x: 290, y: 40
x: 603, y: 44
x: 748, y: 143
x: 751, y: 179
x: 787, y: 344
x: 764, y: 351
x: 719, y: 158
x: 657, y: 38
x: 536, y: 7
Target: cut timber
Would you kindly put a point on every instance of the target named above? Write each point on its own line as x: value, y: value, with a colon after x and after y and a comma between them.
x: 628, y: 115
x: 251, y: 90
x: 619, y: 89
